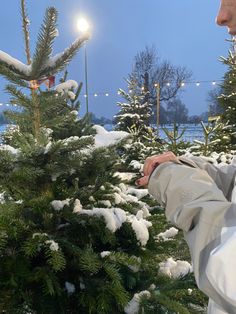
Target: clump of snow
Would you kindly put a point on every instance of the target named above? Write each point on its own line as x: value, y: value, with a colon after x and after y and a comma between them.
x: 125, y: 176
x: 140, y: 227
x: 104, y: 138
x: 53, y: 245
x: 152, y: 286
x: 46, y: 131
x: 175, y: 269
x: 77, y: 206
x: 92, y: 199
x: 48, y: 147
x: 114, y: 217
x: 105, y: 253
x: 70, y: 288
x: 2, y: 198
x: 135, y: 268
x: 139, y: 193
x: 71, y: 95
x: 58, y: 205
x: 66, y: 87
x: 10, y: 149
x: 167, y: 235
x: 39, y: 234
x: 70, y: 140
x: 135, y: 164
x: 75, y: 113
x: 82, y: 285
x: 133, y: 306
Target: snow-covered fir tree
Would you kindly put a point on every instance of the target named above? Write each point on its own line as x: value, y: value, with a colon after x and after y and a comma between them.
x: 227, y: 98
x: 134, y: 114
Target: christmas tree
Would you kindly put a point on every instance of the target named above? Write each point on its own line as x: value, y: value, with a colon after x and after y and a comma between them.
x: 135, y: 113
x: 227, y: 99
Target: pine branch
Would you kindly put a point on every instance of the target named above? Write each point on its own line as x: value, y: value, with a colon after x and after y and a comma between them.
x: 25, y: 26
x: 18, y: 97
x: 45, y: 41
x: 11, y: 76
x: 60, y: 61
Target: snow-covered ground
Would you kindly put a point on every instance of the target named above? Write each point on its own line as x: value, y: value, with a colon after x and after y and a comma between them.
x: 193, y: 132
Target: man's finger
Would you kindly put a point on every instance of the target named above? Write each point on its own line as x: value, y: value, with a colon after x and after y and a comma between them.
x: 142, y: 181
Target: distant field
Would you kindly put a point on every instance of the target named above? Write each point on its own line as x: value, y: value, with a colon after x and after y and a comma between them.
x: 193, y: 132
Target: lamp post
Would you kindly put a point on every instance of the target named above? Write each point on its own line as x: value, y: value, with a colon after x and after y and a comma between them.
x: 83, y: 27
x: 157, y: 85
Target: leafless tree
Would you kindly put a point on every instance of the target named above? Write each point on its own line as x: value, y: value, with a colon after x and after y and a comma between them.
x: 148, y: 71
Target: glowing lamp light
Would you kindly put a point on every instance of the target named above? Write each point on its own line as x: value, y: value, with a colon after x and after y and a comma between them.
x: 85, y: 96
x: 214, y: 83
x: 83, y: 25
x: 168, y: 84
x: 106, y: 94
x: 95, y: 95
x: 182, y: 84
x: 198, y: 84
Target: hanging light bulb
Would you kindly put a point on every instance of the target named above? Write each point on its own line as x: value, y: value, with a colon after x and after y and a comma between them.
x: 95, y: 95
x: 213, y: 83
x: 106, y: 94
x: 182, y: 84
x: 198, y: 84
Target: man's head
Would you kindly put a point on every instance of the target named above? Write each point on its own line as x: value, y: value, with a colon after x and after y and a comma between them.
x: 227, y: 15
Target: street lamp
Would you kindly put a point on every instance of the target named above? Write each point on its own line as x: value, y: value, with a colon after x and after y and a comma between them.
x: 157, y: 86
x: 83, y: 27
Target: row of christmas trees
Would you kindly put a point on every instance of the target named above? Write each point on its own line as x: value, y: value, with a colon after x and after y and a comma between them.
x: 76, y: 235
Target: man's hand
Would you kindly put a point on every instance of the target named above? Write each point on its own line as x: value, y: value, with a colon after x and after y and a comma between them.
x: 152, y: 162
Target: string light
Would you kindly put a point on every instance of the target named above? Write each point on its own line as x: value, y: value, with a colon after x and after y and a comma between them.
x: 106, y: 94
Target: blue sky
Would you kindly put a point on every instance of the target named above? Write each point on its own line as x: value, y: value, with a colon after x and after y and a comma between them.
x: 183, y: 31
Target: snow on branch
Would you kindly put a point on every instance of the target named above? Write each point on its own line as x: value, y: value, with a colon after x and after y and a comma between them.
x: 104, y: 138
x: 14, y: 63
x: 67, y: 88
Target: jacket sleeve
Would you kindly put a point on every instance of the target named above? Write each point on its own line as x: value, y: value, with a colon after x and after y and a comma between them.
x: 195, y: 204
x: 224, y: 176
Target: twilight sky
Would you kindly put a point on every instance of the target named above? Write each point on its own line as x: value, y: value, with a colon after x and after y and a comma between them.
x: 183, y: 31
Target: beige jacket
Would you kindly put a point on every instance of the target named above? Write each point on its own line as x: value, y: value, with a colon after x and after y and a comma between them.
x: 196, y: 196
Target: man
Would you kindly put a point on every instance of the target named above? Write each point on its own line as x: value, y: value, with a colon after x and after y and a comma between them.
x: 227, y: 15
x: 200, y: 199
